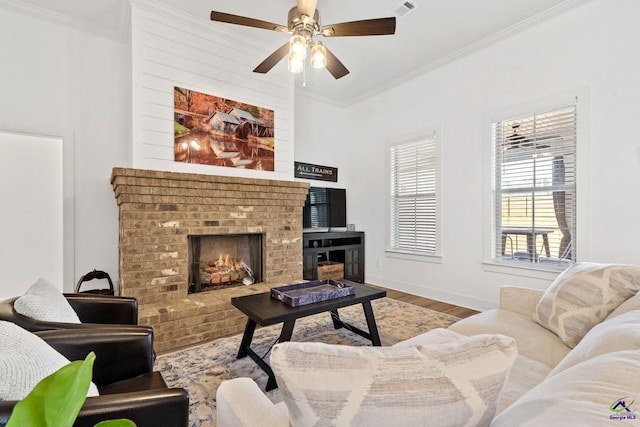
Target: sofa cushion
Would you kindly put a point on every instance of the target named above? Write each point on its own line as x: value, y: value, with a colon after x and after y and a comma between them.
x: 631, y: 304
x: 43, y: 301
x: 583, y: 296
x: 433, y: 336
x: 587, y: 394
x: 25, y: 359
x: 232, y: 398
x: 620, y: 333
x: 533, y: 340
x: 449, y: 384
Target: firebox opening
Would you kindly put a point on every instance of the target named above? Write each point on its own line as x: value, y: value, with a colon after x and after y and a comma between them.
x: 220, y: 261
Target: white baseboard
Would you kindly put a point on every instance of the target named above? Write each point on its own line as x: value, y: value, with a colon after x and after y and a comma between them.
x: 436, y: 294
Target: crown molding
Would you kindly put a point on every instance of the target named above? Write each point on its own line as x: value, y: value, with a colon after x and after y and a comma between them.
x: 474, y: 47
x: 530, y: 22
x: 121, y: 33
x: 190, y: 21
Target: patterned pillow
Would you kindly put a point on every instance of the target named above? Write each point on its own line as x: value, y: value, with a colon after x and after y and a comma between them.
x: 456, y: 383
x: 43, y: 301
x: 583, y: 296
x: 25, y: 359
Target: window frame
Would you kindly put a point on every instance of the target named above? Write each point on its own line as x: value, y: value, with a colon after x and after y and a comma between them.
x: 580, y: 100
x: 399, y: 253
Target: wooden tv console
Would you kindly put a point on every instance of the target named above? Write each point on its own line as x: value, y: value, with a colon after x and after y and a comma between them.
x: 346, y: 247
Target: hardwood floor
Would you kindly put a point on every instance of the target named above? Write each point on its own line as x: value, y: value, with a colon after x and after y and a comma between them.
x: 440, y: 306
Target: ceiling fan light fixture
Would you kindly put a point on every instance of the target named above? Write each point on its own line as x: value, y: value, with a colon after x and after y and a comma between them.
x: 298, y: 47
x: 318, y: 55
x: 295, y: 64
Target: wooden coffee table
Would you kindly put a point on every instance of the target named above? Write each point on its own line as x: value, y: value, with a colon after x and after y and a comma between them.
x: 263, y: 310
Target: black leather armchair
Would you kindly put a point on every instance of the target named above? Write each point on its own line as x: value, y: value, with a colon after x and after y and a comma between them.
x: 93, y: 310
x: 123, y: 372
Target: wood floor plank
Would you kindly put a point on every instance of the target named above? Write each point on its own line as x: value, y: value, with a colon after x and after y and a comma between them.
x: 431, y: 304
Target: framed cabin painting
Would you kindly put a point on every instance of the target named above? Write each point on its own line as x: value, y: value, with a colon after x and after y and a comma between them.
x: 216, y: 131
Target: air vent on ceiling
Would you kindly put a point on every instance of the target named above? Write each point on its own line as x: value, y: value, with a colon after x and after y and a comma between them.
x: 404, y: 9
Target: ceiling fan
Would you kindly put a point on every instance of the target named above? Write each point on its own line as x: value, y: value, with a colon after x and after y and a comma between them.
x: 304, y: 24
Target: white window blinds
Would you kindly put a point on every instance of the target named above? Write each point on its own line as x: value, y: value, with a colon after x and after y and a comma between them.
x: 413, y: 210
x: 535, y: 187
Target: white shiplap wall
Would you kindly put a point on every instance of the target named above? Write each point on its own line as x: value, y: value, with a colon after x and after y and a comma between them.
x: 172, y: 49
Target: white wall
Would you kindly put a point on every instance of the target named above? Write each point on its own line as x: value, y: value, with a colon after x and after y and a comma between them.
x: 322, y: 135
x: 592, y: 52
x: 74, y: 85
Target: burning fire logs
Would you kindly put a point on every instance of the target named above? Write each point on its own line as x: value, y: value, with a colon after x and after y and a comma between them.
x: 222, y: 271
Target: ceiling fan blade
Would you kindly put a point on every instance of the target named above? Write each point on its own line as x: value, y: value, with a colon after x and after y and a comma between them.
x: 272, y: 59
x: 335, y: 67
x: 366, y: 27
x: 307, y: 7
x: 247, y: 22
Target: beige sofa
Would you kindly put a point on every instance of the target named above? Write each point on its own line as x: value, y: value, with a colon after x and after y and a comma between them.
x: 595, y: 383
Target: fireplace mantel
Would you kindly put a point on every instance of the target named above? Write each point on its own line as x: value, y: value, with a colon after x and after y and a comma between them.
x: 158, y: 210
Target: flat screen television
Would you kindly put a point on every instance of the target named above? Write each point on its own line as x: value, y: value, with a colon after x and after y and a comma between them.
x: 325, y: 208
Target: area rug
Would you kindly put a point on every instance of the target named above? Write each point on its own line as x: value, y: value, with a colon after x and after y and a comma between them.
x: 200, y: 369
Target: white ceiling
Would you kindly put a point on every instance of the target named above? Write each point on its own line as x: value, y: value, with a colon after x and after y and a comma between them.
x: 436, y: 32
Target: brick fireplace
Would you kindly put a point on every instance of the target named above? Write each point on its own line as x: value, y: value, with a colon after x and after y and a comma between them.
x: 159, y: 210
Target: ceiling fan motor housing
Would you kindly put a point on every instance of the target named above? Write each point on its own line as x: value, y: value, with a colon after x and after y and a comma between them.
x: 303, y: 24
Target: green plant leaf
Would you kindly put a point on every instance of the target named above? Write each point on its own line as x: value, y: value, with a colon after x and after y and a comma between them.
x: 56, y: 400
x: 116, y: 423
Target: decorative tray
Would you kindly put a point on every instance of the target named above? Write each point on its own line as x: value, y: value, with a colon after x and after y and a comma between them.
x: 310, y: 292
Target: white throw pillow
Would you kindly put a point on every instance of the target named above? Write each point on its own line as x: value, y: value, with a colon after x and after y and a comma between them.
x: 456, y: 383
x: 617, y: 334
x: 43, y: 301
x: 583, y: 296
x: 593, y: 393
x: 26, y: 359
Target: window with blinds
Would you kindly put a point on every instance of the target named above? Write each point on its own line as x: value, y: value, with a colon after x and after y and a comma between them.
x: 535, y: 188
x: 413, y: 209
